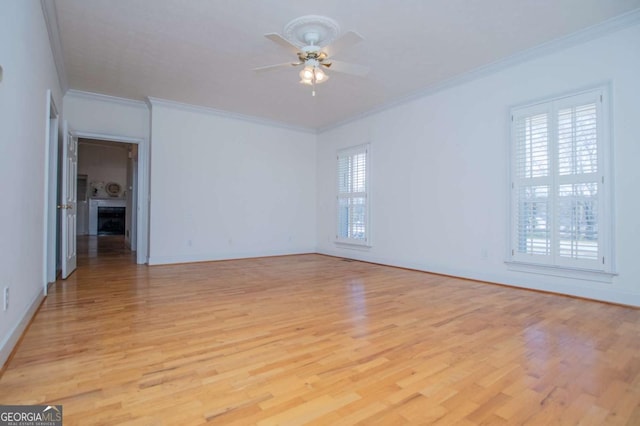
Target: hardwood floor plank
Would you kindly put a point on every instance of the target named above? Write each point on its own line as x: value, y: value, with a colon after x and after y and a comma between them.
x: 312, y: 339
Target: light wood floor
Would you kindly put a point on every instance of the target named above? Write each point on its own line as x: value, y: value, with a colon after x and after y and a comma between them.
x: 319, y: 340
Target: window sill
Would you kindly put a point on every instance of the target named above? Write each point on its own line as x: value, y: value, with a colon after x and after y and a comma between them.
x: 353, y: 245
x: 562, y: 271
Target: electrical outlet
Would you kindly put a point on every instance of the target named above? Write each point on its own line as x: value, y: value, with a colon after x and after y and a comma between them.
x: 6, y: 299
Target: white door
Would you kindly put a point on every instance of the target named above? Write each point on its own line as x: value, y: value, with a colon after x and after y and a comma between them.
x: 69, y: 201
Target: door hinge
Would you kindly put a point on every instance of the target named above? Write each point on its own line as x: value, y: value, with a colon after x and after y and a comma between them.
x: 513, y: 252
x: 603, y: 260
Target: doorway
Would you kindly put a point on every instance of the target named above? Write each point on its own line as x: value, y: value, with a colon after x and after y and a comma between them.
x: 107, y: 195
x: 138, y: 239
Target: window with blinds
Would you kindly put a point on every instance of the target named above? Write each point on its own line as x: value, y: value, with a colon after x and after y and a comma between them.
x: 353, y: 195
x: 558, y: 214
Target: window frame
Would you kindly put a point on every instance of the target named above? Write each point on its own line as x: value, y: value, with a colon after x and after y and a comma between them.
x: 603, y: 267
x: 350, y: 152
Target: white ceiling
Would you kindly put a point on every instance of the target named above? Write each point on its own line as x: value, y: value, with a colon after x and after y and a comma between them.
x: 202, y: 52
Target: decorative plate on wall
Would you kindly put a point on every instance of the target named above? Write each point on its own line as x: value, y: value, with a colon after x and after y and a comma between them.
x: 113, y: 189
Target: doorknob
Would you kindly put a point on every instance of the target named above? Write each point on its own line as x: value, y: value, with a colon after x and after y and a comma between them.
x: 65, y: 206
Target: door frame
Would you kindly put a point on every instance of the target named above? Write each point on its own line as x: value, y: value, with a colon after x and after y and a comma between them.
x: 50, y: 240
x: 142, y: 190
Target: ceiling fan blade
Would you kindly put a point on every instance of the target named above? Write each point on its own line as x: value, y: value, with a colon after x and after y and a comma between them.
x: 348, y: 39
x: 275, y: 66
x: 278, y: 39
x: 348, y: 68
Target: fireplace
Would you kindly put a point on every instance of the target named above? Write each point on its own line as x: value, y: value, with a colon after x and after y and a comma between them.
x: 111, y: 220
x: 100, y: 203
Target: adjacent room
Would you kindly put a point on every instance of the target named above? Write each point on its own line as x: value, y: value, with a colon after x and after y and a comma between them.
x: 346, y: 212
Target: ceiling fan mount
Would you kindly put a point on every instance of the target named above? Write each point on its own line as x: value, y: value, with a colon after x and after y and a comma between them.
x: 313, y: 30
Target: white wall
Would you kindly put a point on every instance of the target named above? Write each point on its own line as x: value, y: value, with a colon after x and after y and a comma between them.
x: 106, y: 115
x: 226, y: 188
x: 440, y: 170
x: 29, y: 71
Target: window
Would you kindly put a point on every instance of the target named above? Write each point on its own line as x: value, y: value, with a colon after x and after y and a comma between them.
x: 559, y: 186
x: 353, y: 195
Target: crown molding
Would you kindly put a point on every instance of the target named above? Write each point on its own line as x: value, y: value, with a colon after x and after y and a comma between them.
x: 51, y: 20
x: 227, y: 114
x: 106, y: 98
x: 591, y: 33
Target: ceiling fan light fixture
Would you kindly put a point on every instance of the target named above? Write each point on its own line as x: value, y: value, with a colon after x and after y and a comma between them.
x: 320, y: 76
x: 307, y: 73
x: 312, y: 75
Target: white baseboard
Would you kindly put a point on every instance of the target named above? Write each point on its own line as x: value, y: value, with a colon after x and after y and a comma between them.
x: 213, y: 257
x: 14, y: 336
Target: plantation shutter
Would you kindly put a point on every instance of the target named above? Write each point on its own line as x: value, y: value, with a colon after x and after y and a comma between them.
x: 577, y: 193
x: 557, y: 182
x: 352, y: 197
x: 532, y: 182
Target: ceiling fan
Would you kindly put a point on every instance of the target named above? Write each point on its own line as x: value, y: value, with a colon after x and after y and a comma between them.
x: 313, y: 39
